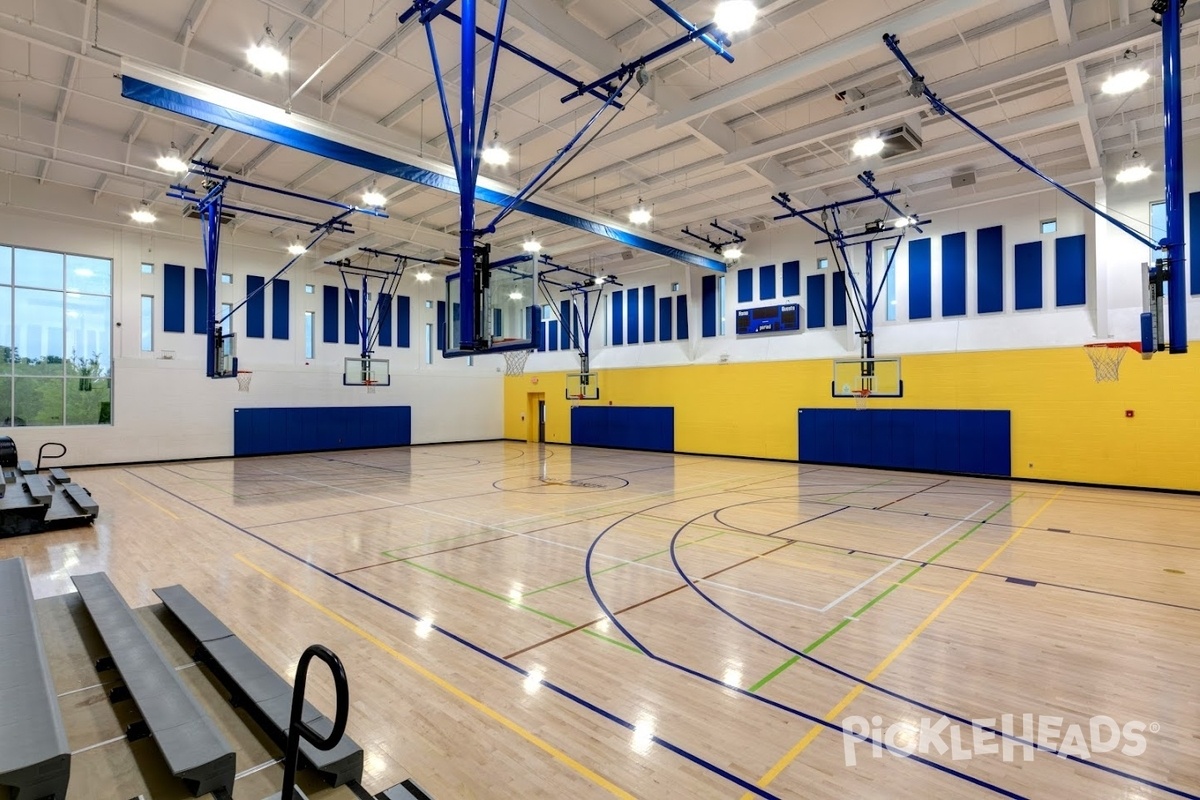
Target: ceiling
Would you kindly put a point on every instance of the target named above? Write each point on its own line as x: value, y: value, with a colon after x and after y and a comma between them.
x: 704, y: 141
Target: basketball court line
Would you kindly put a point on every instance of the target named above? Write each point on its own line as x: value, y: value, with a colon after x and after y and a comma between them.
x: 129, y: 488
x: 422, y: 555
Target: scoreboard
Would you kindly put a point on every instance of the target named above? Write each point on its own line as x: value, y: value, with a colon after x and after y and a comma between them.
x: 768, y: 319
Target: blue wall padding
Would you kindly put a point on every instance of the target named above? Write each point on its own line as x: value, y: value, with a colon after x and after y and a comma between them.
x: 681, y: 318
x: 632, y: 327
x: 664, y: 319
x: 745, y: 278
x: 839, y: 298
x: 329, y: 314
x: 816, y: 300
x: 791, y: 278
x: 199, y: 301
x: 553, y: 337
x: 970, y: 442
x: 708, y: 306
x: 441, y: 326
x: 383, y: 319
x: 263, y: 431
x: 618, y: 318
x: 281, y: 295
x: 954, y: 274
x: 1070, y: 271
x: 989, y: 263
x: 351, y: 320
x: 626, y: 427
x: 174, y: 299
x: 1027, y: 263
x: 766, y: 282
x: 648, y: 306
x: 1194, y: 242
x: 564, y: 333
x: 920, y: 280
x: 256, y: 307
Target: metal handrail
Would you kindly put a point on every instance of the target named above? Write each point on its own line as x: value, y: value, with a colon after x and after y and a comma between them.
x: 50, y: 458
x: 298, y: 728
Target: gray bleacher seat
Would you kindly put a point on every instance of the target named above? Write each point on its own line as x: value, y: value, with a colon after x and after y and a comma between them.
x: 80, y: 497
x: 265, y: 695
x: 194, y: 750
x: 26, y: 467
x: 59, y: 475
x: 35, y: 761
x: 38, y: 490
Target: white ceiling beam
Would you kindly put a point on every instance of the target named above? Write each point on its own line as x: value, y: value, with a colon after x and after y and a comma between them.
x: 1060, y: 15
x: 548, y: 19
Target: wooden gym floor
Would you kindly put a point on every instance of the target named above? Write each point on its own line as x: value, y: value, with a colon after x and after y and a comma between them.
x: 521, y: 621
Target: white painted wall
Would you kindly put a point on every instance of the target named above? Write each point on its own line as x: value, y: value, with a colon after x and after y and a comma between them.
x: 168, y: 409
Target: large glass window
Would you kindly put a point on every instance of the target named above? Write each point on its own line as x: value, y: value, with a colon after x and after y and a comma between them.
x: 310, y: 328
x: 55, y: 338
x: 888, y: 253
x: 147, y: 323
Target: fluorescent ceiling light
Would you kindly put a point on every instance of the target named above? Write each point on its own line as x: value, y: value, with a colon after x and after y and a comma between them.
x: 1134, y: 173
x: 374, y: 198
x: 735, y: 16
x: 297, y: 247
x: 143, y: 215
x: 1125, y: 81
x: 172, y: 161
x: 868, y: 146
x: 424, y: 277
x: 266, y: 56
x: 531, y: 246
x: 732, y: 253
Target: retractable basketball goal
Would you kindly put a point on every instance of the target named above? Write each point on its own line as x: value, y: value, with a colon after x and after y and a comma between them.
x: 1106, y: 358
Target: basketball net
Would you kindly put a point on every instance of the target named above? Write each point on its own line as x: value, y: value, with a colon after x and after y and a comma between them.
x: 514, y: 361
x: 370, y: 384
x: 1106, y: 358
x: 860, y: 398
x: 243, y: 379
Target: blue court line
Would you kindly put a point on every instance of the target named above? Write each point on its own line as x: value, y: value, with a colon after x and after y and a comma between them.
x: 764, y: 700
x: 562, y: 692
x: 891, y: 693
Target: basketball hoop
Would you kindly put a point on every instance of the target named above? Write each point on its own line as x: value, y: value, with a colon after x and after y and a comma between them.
x: 1106, y: 358
x: 243, y: 379
x: 860, y: 398
x: 370, y: 384
x: 514, y: 361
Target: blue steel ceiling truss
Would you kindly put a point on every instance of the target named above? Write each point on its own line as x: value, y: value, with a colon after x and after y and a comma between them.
x: 466, y: 141
x: 580, y: 287
x: 1168, y: 270
x: 213, y: 208
x: 864, y: 297
x: 717, y: 245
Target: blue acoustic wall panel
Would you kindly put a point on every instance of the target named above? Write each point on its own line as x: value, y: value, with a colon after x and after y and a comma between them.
x: 281, y: 294
x: 351, y: 320
x: 199, y: 301
x: 1194, y: 242
x: 383, y: 319
x: 625, y: 427
x: 648, y: 308
x: 989, y: 263
x: 681, y: 317
x: 441, y: 326
x: 264, y: 431
x: 971, y: 442
x: 708, y: 306
x: 745, y: 278
x: 618, y: 317
x: 791, y: 278
x: 1027, y: 262
x: 329, y: 314
x: 839, y: 298
x: 256, y: 307
x: 1070, y: 271
x: 816, y: 300
x: 920, y: 280
x: 174, y: 298
x: 954, y: 274
x: 564, y: 322
x: 553, y: 337
x: 632, y: 326
x: 664, y: 319
x: 766, y: 282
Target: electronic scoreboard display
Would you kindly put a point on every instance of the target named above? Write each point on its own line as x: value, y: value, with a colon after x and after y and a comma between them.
x: 768, y: 319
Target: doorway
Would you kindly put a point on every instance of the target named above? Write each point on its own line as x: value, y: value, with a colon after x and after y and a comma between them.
x: 535, y: 417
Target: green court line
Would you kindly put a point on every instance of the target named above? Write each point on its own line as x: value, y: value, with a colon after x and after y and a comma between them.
x: 391, y: 553
x: 521, y: 606
x: 622, y: 564
x: 829, y: 634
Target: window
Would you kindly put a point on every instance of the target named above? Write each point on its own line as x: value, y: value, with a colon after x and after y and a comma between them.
x: 147, y: 323
x: 1049, y: 226
x: 55, y: 338
x: 604, y: 316
x: 822, y: 263
x: 721, y: 305
x: 226, y: 277
x: 428, y: 342
x: 674, y: 287
x: 147, y: 269
x: 309, y: 288
x: 310, y: 327
x: 1158, y: 232
x: 888, y: 252
x: 226, y: 319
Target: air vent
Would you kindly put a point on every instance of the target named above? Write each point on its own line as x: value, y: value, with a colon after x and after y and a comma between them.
x: 900, y: 140
x: 626, y: 255
x: 962, y: 179
x: 190, y: 212
x: 757, y: 226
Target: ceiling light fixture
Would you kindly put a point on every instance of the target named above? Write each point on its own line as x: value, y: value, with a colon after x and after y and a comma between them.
x: 172, y: 161
x: 1134, y: 170
x: 904, y: 222
x: 494, y: 155
x: 598, y: 280
x: 515, y: 296
x: 531, y: 245
x: 640, y: 215
x: 297, y: 247
x: 732, y: 253
x: 266, y: 56
x: 424, y: 277
x: 735, y: 16
x: 1125, y: 81
x: 143, y: 215
x: 868, y: 146
x: 373, y: 197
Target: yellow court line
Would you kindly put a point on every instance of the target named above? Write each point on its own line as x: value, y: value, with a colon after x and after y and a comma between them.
x: 170, y: 514
x: 448, y: 687
x: 837, y: 710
